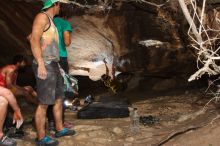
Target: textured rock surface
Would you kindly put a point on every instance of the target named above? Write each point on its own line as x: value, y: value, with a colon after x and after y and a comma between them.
x: 114, y: 36
x: 15, y: 24
x: 117, y: 36
x: 116, y: 132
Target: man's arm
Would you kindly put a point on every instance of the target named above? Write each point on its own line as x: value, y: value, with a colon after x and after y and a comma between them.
x: 67, y: 38
x: 67, y: 30
x: 9, y: 75
x: 10, y: 82
x: 39, y: 24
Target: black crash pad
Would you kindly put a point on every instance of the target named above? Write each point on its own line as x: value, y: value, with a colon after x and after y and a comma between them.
x: 98, y: 110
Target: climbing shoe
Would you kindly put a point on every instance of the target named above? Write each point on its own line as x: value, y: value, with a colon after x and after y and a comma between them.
x: 65, y: 132
x: 47, y: 141
x: 6, y: 141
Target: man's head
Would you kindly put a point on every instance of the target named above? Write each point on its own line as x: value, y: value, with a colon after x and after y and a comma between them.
x: 20, y: 61
x: 53, y: 3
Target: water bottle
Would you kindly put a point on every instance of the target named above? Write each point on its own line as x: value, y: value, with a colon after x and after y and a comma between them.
x: 134, y: 119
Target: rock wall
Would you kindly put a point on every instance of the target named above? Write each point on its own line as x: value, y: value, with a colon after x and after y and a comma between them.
x: 15, y: 24
x: 112, y: 35
x: 116, y: 37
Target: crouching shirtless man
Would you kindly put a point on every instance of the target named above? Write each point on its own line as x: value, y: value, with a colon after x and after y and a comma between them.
x: 8, y: 78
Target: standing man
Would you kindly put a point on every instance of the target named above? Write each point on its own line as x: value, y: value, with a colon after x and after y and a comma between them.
x: 44, y: 44
x: 64, y: 32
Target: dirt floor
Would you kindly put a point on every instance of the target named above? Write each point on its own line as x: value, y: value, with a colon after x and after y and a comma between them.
x: 182, y: 122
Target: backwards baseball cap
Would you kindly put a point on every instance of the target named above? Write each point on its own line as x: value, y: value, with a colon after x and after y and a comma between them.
x: 49, y: 3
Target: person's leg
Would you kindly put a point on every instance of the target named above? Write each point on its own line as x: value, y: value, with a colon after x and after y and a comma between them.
x: 50, y: 117
x: 60, y: 93
x: 3, y: 109
x: 4, y: 140
x: 57, y: 111
x: 64, y: 64
x: 51, y: 120
x: 40, y: 117
x: 28, y: 97
x: 31, y: 99
x: 31, y: 91
x: 61, y: 131
x: 46, y: 96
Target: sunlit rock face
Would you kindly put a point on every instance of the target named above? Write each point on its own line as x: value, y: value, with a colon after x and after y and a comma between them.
x: 118, y: 38
x: 91, y: 43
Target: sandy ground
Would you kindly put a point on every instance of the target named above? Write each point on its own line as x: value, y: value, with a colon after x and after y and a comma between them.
x: 181, y: 123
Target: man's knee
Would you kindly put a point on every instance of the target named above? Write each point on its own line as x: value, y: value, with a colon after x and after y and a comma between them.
x: 6, y: 93
x: 42, y: 107
x: 3, y: 102
x: 59, y: 101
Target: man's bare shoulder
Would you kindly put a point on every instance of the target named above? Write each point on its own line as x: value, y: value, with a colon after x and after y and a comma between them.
x: 41, y: 17
x: 8, y: 69
x: 40, y: 22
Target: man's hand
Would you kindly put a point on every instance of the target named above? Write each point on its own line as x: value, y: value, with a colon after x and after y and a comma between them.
x: 18, y: 119
x: 42, y: 72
